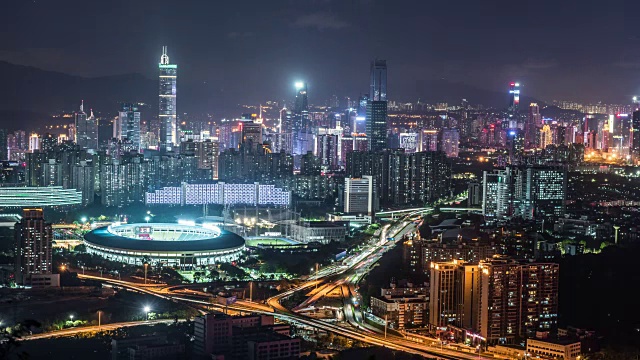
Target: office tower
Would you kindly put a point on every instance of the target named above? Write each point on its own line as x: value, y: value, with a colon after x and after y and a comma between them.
x: 449, y: 142
x: 530, y: 192
x: 251, y: 134
x: 360, y: 196
x: 428, y: 140
x: 544, y: 192
x: 546, y: 137
x: 168, y: 111
x: 128, y: 127
x: 514, y: 97
x: 33, y: 238
x: 408, y: 142
x: 301, y: 127
x: 516, y: 299
x: 4, y: 147
x: 376, y: 125
x: 48, y: 142
x: 376, y: 115
x: 454, y: 294
x: 515, y: 145
x: 327, y: 151
x: 362, y: 105
x: 474, y: 199
x: 635, y: 136
x: 442, y: 299
x: 285, y: 132
x: 34, y: 142
x: 378, y: 85
x: 83, y: 179
x: 86, y: 129
x: 534, y: 121
x: 497, y: 191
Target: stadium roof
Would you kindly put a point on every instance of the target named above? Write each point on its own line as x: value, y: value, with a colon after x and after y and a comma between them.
x: 103, y: 237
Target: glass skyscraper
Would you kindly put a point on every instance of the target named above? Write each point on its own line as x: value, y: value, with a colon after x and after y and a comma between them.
x: 376, y: 117
x: 129, y: 127
x: 168, y: 113
x: 378, y: 90
x: 86, y: 130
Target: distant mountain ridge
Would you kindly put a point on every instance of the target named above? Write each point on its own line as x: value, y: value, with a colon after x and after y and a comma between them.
x: 30, y: 93
x: 31, y: 89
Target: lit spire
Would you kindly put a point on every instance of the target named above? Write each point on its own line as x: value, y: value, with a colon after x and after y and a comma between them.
x: 164, y: 59
x: 82, y: 106
x: 91, y: 110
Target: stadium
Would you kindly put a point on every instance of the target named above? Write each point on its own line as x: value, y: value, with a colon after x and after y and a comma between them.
x: 164, y: 243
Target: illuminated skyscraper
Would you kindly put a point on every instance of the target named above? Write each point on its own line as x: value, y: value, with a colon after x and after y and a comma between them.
x: 514, y: 96
x: 168, y: 112
x: 378, y: 91
x: 128, y: 126
x: 376, y: 117
x: 33, y: 250
x: 86, y: 129
x: 301, y: 121
x: 534, y: 121
x: 635, y: 136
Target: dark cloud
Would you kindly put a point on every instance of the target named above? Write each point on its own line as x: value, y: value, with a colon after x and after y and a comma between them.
x: 320, y: 21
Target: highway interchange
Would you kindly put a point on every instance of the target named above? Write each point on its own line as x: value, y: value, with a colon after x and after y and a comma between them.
x: 344, y: 275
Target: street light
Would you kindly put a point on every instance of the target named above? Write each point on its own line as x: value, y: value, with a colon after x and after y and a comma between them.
x: 83, y: 219
x: 71, y: 317
x: 146, y: 311
x: 147, y: 218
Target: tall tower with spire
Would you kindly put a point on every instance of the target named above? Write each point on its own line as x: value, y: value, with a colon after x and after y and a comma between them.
x: 86, y: 129
x: 168, y: 113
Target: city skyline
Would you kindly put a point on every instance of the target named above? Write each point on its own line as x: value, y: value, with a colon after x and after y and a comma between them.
x: 288, y: 42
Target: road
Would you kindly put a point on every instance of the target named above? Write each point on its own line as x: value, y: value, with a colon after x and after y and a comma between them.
x: 345, y: 275
x: 95, y: 328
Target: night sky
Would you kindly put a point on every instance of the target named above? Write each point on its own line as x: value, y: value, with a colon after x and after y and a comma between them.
x: 559, y: 49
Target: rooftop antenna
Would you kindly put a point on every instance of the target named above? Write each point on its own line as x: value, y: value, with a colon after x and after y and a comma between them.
x: 164, y: 59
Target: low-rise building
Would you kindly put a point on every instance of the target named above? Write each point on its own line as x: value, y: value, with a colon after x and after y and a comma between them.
x: 271, y: 346
x: 319, y: 231
x: 401, y: 306
x: 551, y: 348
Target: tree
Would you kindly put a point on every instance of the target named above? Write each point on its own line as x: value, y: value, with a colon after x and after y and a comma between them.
x: 10, y: 340
x: 213, y: 274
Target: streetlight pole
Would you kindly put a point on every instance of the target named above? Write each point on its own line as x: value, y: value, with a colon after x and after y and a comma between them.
x: 99, y: 320
x: 145, y: 272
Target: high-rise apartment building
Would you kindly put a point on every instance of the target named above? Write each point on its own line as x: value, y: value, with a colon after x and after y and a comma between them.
x: 34, y: 142
x: 402, y: 178
x: 516, y: 299
x: 501, y: 299
x: 168, y: 114
x: 327, y: 150
x: 33, y: 238
x: 530, y: 192
x: 251, y: 134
